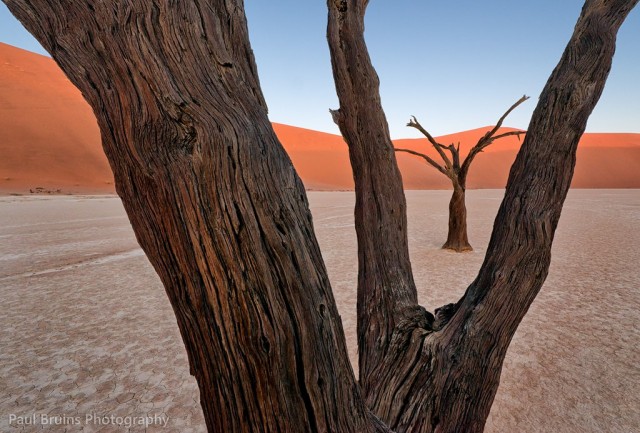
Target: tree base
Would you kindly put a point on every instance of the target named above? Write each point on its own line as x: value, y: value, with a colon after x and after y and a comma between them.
x: 457, y: 247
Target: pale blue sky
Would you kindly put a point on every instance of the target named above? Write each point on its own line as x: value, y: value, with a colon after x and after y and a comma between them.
x: 456, y: 65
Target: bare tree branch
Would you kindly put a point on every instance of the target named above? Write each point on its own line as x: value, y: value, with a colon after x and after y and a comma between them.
x: 507, y: 134
x: 438, y: 167
x: 495, y: 129
x: 386, y: 289
x: 490, y: 137
x: 517, y: 259
x: 229, y: 294
x: 455, y: 154
x: 413, y: 122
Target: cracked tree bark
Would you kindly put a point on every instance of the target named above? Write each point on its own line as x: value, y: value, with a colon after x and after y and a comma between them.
x: 219, y: 210
x: 215, y: 203
x: 386, y: 290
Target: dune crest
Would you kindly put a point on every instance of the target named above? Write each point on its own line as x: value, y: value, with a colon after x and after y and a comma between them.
x: 50, y: 142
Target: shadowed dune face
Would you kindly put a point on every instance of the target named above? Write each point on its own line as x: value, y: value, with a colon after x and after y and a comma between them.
x: 49, y: 141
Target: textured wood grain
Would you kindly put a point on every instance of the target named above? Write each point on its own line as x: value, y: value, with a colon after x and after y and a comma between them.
x: 518, y: 257
x: 215, y: 203
x: 385, y: 282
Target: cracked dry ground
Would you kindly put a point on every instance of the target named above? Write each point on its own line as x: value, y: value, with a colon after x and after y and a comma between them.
x: 86, y: 327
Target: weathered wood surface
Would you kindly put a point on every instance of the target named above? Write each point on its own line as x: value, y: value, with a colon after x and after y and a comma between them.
x: 386, y: 289
x: 440, y: 374
x: 215, y: 203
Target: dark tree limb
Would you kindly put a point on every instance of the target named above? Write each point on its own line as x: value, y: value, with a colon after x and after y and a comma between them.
x: 413, y: 123
x: 455, y: 155
x: 455, y: 359
x: 498, y: 125
x: 519, y: 252
x: 541, y: 174
x: 489, y: 138
x: 437, y: 166
x: 509, y: 134
x: 386, y: 289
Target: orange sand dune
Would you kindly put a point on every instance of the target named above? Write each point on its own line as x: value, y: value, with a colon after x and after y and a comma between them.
x: 49, y: 141
x: 321, y: 159
x: 48, y: 134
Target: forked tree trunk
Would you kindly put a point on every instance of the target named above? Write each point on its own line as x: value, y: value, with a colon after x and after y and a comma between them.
x: 440, y: 375
x: 222, y: 216
x: 457, y: 239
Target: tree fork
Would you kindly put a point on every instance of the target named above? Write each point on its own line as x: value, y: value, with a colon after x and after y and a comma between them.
x: 477, y: 333
x: 217, y: 207
x: 440, y: 374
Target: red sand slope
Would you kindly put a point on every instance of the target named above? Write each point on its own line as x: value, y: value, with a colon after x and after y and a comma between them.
x: 49, y: 139
x: 48, y: 134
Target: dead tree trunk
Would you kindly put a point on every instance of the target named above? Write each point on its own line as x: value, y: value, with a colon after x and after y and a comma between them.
x: 222, y: 216
x: 385, y: 281
x: 457, y: 239
x: 215, y: 203
x: 451, y: 167
x: 440, y: 374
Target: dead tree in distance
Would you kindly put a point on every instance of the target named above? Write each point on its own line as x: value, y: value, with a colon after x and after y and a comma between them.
x: 216, y: 205
x: 457, y: 238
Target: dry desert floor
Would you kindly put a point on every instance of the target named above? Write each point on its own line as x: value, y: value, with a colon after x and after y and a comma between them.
x: 86, y: 331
